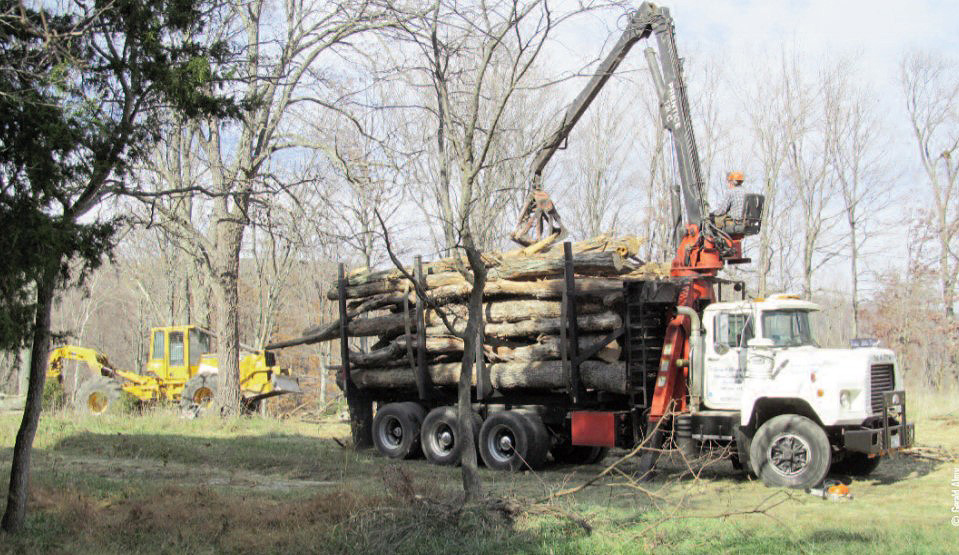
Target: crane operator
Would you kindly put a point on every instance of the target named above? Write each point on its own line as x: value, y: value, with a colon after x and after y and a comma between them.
x: 730, y: 211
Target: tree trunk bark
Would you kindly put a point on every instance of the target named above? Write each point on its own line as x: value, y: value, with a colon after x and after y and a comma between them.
x: 15, y: 514
x: 472, y: 486
x: 229, y: 236
x: 854, y: 263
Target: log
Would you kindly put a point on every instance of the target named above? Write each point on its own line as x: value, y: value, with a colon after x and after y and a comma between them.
x: 510, y: 311
x: 360, y: 327
x: 394, y: 324
x: 609, y: 289
x: 604, y: 321
x: 548, y: 375
x: 593, y: 264
x: 625, y: 246
x: 394, y: 354
x: 549, y: 348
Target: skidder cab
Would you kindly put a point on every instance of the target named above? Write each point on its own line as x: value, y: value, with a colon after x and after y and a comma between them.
x: 794, y: 409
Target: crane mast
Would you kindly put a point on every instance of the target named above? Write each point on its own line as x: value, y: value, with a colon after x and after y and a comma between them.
x: 666, y: 69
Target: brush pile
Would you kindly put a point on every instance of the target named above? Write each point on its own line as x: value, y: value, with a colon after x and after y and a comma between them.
x: 522, y: 315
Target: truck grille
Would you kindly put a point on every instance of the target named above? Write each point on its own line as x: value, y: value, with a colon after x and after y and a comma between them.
x: 882, y: 380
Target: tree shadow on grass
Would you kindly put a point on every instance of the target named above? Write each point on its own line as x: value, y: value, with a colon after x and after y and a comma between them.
x: 172, y: 507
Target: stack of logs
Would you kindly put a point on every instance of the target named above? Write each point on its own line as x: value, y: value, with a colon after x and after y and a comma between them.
x: 522, y: 315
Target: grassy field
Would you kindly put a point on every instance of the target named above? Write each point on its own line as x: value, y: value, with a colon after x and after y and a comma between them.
x: 160, y: 484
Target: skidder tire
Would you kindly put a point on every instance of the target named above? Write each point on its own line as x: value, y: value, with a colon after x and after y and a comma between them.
x: 99, y: 395
x: 396, y: 430
x: 790, y: 451
x: 511, y: 440
x: 856, y: 464
x: 198, y: 392
x: 440, y: 437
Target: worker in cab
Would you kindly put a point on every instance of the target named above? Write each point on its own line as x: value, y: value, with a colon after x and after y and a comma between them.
x: 729, y: 215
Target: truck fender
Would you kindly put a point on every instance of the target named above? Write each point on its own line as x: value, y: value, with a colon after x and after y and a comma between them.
x: 765, y: 408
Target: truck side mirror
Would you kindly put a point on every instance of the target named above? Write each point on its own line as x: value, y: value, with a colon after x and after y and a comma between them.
x: 760, y: 343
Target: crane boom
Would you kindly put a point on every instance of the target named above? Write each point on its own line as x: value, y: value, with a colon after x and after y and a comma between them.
x: 674, y: 110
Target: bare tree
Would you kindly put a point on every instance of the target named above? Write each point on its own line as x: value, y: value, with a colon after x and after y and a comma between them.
x: 763, y: 103
x: 931, y: 88
x: 807, y: 146
x: 278, y: 45
x: 601, y: 167
x: 858, y: 161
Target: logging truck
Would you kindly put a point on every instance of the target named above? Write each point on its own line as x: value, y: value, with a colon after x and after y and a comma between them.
x: 584, y: 350
x: 743, y: 376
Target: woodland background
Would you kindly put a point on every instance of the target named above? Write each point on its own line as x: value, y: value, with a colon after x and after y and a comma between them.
x: 426, y: 114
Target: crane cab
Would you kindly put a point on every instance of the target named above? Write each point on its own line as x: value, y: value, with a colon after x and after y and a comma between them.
x: 175, y: 351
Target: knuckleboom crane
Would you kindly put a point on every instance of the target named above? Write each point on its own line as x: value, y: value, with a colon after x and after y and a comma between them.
x: 702, y: 249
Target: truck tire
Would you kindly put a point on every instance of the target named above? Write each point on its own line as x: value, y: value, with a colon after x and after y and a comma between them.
x: 197, y: 393
x: 511, y: 440
x: 790, y: 451
x: 856, y: 464
x: 396, y: 430
x: 99, y: 395
x: 439, y: 436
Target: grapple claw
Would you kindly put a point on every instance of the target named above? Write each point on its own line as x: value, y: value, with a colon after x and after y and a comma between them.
x: 538, y: 219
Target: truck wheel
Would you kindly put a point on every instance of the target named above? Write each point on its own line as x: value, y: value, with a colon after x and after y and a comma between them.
x: 856, y: 464
x: 439, y: 437
x: 510, y: 440
x: 396, y: 430
x: 790, y: 451
x: 198, y: 393
x: 99, y: 395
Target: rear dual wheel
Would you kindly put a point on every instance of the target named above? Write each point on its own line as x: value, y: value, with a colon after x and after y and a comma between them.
x: 440, y: 436
x: 396, y: 429
x: 512, y: 440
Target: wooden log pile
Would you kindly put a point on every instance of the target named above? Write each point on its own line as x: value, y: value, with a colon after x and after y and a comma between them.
x: 522, y: 316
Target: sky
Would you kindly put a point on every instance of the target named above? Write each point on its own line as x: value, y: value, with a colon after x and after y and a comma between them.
x: 743, y: 36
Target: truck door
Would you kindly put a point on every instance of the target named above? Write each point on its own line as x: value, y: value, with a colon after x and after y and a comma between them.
x: 725, y: 365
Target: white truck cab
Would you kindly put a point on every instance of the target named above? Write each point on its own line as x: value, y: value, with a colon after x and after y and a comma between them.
x: 796, y: 408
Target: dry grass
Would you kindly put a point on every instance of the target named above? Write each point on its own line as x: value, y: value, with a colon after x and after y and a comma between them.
x: 159, y: 484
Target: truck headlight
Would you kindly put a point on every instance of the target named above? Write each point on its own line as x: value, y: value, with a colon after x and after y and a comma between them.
x: 845, y: 399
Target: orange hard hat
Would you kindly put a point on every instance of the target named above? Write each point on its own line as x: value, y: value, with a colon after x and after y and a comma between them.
x: 734, y: 176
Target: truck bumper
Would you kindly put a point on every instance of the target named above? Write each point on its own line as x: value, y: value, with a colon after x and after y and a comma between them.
x: 890, y: 433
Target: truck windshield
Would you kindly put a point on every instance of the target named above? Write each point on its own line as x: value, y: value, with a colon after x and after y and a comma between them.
x: 787, y: 328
